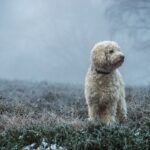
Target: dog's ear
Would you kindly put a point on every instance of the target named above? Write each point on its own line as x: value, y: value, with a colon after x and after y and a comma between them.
x: 98, y: 58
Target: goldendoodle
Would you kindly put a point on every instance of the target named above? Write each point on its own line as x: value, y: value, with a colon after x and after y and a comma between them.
x: 104, y: 86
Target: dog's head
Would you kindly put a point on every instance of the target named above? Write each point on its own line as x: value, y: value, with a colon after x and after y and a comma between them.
x: 106, y: 56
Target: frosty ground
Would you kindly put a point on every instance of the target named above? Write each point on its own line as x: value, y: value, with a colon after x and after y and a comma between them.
x: 32, y: 111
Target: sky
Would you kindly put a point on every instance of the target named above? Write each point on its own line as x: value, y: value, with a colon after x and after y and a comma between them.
x: 51, y: 40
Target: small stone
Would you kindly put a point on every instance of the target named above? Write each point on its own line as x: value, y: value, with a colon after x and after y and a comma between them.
x: 53, y: 147
x: 60, y: 148
x: 44, y: 144
x: 33, y: 145
x: 26, y: 148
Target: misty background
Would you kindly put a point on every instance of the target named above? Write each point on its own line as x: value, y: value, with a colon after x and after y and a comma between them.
x: 51, y: 39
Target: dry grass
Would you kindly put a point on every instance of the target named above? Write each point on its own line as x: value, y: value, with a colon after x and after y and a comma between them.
x: 25, y: 104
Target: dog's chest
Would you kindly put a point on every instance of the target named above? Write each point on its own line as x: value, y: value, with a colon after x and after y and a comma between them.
x: 109, y: 86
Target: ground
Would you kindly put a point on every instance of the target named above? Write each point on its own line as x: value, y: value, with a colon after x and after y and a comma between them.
x: 30, y: 112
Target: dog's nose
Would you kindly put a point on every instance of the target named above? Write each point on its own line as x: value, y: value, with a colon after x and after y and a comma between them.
x: 122, y: 57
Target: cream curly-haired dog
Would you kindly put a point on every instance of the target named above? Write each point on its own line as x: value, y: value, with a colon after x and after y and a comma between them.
x: 104, y: 86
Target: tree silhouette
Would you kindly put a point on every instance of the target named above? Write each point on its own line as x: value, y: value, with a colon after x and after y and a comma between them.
x: 132, y: 18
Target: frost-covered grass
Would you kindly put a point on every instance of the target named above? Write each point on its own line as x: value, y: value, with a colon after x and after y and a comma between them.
x: 30, y: 112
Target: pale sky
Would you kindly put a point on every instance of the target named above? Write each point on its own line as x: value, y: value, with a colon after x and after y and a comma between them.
x: 51, y: 40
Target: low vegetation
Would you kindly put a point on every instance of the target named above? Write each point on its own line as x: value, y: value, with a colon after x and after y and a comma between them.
x: 57, y: 114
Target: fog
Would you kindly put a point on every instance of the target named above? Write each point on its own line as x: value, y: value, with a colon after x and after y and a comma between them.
x: 51, y: 39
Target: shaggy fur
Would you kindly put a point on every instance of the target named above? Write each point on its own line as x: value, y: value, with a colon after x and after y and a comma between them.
x: 104, y: 86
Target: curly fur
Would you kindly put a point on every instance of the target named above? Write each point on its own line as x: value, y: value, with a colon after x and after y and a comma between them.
x: 104, y: 86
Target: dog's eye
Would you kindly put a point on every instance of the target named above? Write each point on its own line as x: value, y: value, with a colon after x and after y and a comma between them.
x: 111, y: 51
